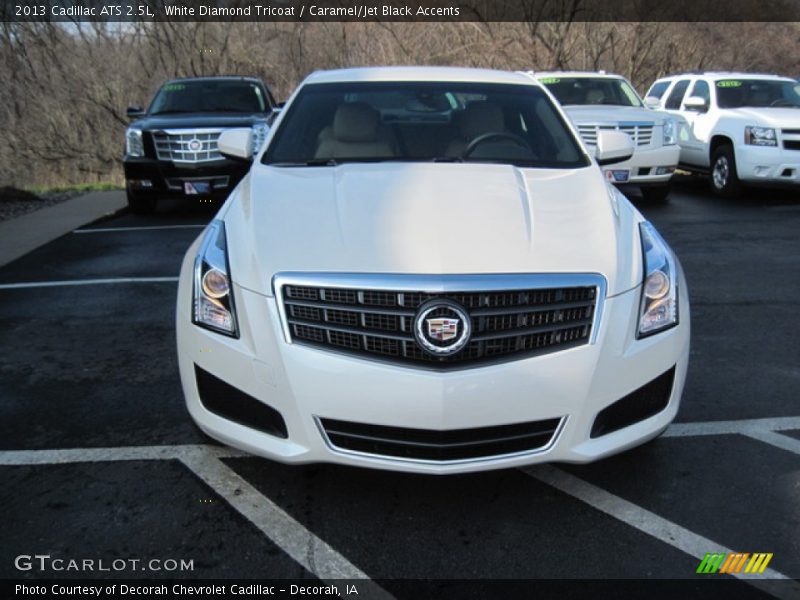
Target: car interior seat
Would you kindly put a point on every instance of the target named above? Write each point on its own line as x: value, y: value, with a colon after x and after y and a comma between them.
x: 356, y: 132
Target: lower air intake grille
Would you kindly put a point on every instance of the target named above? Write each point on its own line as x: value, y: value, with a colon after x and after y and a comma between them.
x: 648, y: 400
x: 440, y: 446
x: 229, y: 403
x: 504, y: 324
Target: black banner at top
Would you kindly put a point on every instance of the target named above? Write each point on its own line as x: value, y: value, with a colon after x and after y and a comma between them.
x: 398, y: 10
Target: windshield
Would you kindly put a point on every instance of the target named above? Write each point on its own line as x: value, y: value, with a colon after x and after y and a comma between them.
x: 329, y: 124
x: 208, y: 96
x: 592, y: 90
x: 735, y: 93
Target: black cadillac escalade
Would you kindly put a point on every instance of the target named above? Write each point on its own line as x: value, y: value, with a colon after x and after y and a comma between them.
x: 171, y: 149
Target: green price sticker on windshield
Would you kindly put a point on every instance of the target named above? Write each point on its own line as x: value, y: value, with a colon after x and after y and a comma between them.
x: 174, y: 87
x: 728, y: 83
x: 549, y: 80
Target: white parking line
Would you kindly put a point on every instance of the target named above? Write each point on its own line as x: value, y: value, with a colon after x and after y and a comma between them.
x: 289, y: 535
x: 76, y: 282
x: 315, y: 555
x: 784, y: 442
x: 139, y: 228
x: 771, y: 581
x: 742, y: 426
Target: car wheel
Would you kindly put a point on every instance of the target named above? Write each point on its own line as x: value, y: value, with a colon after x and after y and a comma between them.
x: 656, y: 194
x: 141, y: 206
x: 724, y: 178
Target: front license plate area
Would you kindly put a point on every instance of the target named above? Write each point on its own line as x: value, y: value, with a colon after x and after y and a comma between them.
x: 617, y: 175
x: 196, y: 188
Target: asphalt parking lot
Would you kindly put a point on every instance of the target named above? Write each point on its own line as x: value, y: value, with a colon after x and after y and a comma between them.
x: 99, y: 459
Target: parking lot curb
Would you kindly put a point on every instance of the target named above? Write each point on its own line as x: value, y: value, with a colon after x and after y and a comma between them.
x: 26, y: 233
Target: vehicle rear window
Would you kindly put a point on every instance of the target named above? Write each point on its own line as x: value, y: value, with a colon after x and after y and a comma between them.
x: 424, y: 121
x: 657, y: 89
x: 676, y: 95
x: 735, y: 93
x: 592, y: 90
x: 209, y: 96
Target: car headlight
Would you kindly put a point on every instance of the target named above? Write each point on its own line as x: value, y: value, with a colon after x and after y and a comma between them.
x: 213, y: 297
x: 760, y: 136
x: 133, y: 142
x: 670, y: 127
x: 260, y: 131
x: 659, y: 305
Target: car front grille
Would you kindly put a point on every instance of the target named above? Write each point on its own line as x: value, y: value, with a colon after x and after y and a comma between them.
x: 506, y: 324
x: 440, y: 446
x: 640, y: 133
x: 187, y: 145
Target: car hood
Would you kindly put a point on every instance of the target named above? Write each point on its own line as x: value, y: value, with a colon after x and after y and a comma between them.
x: 769, y: 116
x: 429, y: 219
x: 198, y: 120
x: 580, y: 114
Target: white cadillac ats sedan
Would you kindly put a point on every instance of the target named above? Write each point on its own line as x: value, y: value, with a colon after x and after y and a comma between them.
x: 425, y: 270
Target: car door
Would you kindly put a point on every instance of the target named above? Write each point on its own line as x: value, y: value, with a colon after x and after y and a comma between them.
x: 698, y: 125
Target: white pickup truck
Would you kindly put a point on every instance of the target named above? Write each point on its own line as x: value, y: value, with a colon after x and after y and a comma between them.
x: 740, y: 128
x: 602, y: 101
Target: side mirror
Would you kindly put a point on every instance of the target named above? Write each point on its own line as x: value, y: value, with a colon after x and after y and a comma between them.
x: 236, y: 143
x: 695, y: 103
x: 652, y: 102
x: 613, y: 147
x: 135, y: 111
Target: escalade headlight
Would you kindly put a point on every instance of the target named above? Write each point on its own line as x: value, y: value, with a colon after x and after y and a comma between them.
x: 133, y: 142
x: 659, y: 304
x: 213, y: 297
x: 670, y: 127
x: 260, y: 131
x: 760, y: 136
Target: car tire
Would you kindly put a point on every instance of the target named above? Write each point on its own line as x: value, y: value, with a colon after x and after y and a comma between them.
x: 724, y: 178
x: 141, y: 206
x: 657, y: 194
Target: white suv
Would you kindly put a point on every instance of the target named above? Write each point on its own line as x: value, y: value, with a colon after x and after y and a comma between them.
x: 741, y: 128
x: 601, y: 101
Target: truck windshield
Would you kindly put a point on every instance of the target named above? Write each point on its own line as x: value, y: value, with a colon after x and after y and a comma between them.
x: 592, y: 90
x: 208, y: 96
x: 327, y: 124
x: 735, y: 93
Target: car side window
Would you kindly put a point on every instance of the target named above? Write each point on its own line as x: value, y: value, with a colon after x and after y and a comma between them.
x: 676, y: 95
x: 701, y: 90
x: 657, y: 89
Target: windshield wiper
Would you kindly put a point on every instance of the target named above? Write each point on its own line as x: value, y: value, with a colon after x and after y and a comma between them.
x: 447, y: 159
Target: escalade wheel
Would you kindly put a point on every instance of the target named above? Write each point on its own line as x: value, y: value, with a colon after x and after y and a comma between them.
x: 724, y: 178
x: 141, y: 206
x: 656, y: 195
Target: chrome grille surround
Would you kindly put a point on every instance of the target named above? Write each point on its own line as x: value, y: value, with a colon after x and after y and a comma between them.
x: 641, y: 132
x: 371, y: 316
x: 177, y: 145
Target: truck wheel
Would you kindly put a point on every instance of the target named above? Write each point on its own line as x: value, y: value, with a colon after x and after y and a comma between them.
x: 141, y: 206
x: 724, y: 178
x: 657, y: 194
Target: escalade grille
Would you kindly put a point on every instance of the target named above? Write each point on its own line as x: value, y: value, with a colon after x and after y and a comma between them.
x: 641, y: 133
x: 187, y: 145
x: 505, y: 324
x: 440, y: 446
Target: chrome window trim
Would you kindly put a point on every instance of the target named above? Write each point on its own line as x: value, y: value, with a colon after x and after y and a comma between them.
x: 439, y: 284
x: 460, y: 461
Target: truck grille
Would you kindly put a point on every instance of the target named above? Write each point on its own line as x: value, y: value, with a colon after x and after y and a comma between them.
x: 641, y: 133
x: 187, y: 145
x: 506, y: 324
x: 440, y: 446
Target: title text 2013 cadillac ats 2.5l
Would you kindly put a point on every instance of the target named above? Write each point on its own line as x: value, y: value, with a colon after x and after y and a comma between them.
x: 425, y: 270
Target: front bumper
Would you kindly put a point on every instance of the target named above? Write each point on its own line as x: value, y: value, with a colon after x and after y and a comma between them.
x: 647, y: 166
x: 305, y: 384
x: 768, y: 166
x: 166, y: 179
